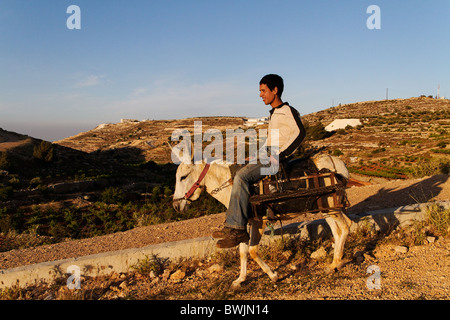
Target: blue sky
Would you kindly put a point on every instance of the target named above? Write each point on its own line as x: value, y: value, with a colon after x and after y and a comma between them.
x: 177, y: 59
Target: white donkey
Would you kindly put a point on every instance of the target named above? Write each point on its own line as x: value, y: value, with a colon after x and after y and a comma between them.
x: 217, y: 179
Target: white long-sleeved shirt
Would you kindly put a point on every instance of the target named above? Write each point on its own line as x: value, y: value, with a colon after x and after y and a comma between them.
x: 291, y: 131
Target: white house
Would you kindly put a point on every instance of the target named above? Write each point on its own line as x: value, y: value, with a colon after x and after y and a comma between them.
x: 128, y: 120
x: 342, y: 124
x: 256, y: 121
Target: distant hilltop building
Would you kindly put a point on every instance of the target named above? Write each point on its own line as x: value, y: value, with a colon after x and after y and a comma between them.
x: 342, y: 124
x: 102, y: 126
x: 252, y: 122
x: 128, y: 120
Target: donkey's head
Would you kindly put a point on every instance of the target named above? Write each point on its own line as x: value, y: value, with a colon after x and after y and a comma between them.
x: 186, y: 176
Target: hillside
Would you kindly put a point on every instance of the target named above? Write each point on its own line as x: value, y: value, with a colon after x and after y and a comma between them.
x: 395, y: 135
x: 397, y: 138
x: 370, y: 109
x: 50, y: 192
x: 146, y: 139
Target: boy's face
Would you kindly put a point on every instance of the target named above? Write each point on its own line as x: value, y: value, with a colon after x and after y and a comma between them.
x: 268, y: 96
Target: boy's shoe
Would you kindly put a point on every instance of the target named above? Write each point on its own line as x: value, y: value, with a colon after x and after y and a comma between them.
x: 230, y: 237
x: 220, y: 234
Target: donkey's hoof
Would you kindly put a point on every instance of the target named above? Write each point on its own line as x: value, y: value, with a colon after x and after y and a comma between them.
x: 274, y: 277
x: 334, y: 267
x: 236, y: 285
x: 331, y: 269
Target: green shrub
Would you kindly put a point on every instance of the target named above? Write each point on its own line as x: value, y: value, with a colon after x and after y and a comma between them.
x: 14, y: 181
x: 441, y: 144
x: 57, y: 230
x: 5, y: 193
x: 156, y: 193
x: 167, y: 191
x: 5, y: 161
x: 443, y: 151
x: 379, y: 150
x: 44, y: 151
x: 5, y: 221
x: 439, y: 218
x: 35, y: 182
x: 150, y: 264
x: 112, y: 195
x: 430, y: 167
x: 316, y: 132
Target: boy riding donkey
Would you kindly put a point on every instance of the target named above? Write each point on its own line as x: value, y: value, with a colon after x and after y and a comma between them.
x: 291, y: 132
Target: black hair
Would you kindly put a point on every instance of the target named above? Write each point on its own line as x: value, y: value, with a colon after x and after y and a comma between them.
x: 272, y: 81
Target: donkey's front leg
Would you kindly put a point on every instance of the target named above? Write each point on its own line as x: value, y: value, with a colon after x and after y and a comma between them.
x: 255, y: 237
x: 243, y: 253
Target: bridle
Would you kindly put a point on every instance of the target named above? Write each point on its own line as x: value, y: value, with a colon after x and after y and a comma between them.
x: 196, y: 185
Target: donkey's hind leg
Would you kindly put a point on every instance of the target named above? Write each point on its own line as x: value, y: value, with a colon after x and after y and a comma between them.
x: 340, y: 227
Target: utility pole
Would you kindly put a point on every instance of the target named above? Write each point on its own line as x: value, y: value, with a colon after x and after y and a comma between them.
x: 439, y: 91
x: 387, y: 93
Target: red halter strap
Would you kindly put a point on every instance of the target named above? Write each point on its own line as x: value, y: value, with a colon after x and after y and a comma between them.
x: 197, y: 184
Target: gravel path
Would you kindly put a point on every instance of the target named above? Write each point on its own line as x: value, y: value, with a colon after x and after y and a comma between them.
x: 364, y: 198
x: 419, y: 274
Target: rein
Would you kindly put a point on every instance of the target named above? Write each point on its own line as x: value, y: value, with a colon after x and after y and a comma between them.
x: 196, y: 185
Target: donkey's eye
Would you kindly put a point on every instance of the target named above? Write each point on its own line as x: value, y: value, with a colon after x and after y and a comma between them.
x: 184, y: 177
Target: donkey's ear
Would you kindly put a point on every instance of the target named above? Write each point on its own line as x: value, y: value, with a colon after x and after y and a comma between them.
x: 175, y: 153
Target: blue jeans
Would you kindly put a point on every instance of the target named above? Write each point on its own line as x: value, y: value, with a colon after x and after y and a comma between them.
x: 237, y: 213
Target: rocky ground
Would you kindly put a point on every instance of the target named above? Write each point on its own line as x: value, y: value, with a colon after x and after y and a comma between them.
x: 421, y: 273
